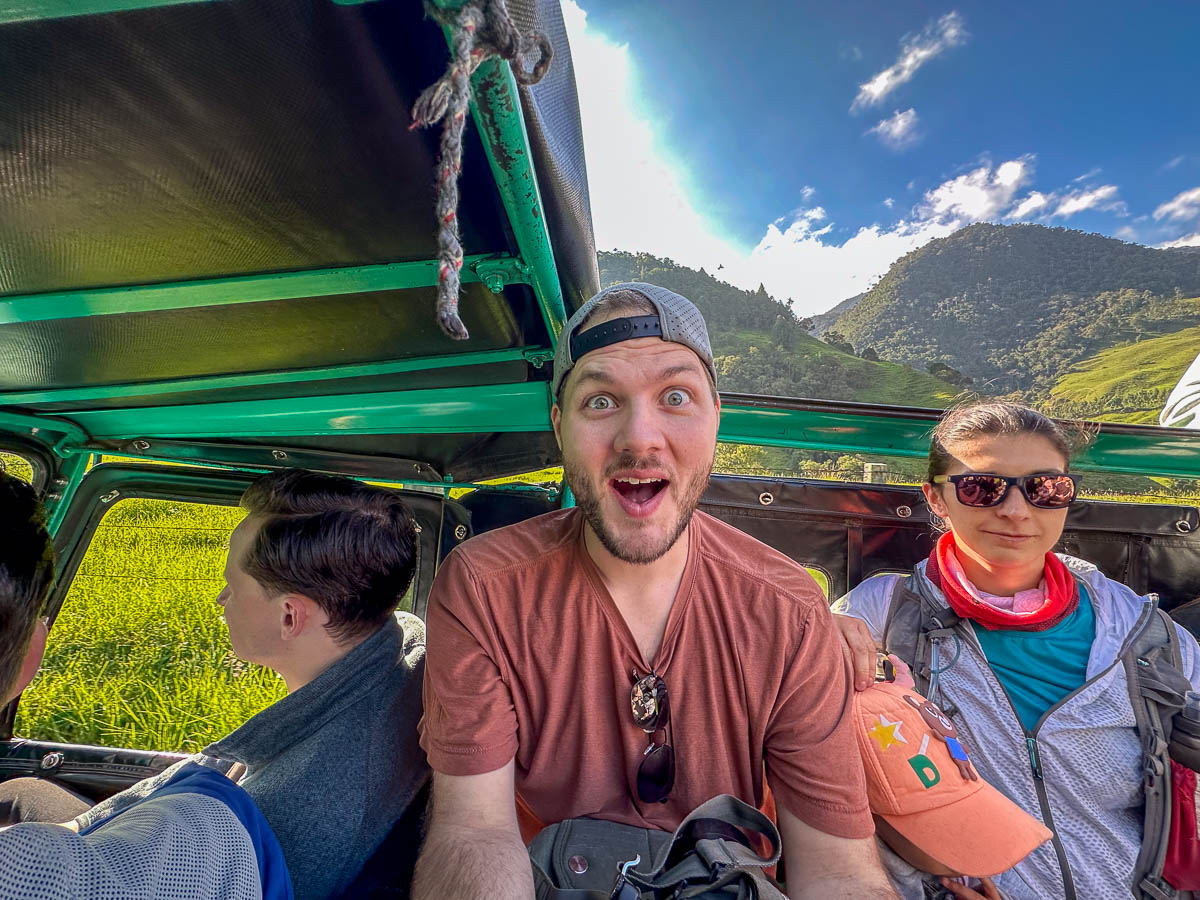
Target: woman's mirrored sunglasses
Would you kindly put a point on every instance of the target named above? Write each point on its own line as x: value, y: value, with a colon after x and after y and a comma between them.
x: 652, y: 713
x: 1046, y: 490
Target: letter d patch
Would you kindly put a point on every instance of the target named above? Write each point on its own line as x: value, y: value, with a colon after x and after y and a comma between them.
x: 925, y: 769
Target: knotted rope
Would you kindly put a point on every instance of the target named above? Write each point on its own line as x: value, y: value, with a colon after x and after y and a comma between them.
x: 480, y: 29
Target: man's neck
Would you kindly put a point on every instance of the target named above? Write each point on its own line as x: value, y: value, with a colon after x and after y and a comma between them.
x: 308, y: 663
x: 625, y: 577
x: 643, y: 593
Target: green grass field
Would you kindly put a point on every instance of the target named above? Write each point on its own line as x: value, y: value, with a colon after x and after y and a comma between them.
x: 1130, y: 383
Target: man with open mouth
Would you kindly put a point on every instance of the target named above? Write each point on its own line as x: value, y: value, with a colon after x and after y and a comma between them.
x: 633, y: 657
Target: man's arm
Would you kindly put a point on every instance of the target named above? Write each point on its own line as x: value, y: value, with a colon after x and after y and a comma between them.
x: 820, y: 865
x: 473, y: 848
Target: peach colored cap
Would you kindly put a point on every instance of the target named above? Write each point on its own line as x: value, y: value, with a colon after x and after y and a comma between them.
x: 939, y: 803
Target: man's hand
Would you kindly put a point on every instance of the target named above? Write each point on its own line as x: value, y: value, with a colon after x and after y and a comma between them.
x: 858, y: 649
x: 824, y: 866
x: 989, y: 890
x: 473, y: 848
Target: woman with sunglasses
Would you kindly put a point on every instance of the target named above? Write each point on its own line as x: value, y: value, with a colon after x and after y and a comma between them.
x: 1029, y: 673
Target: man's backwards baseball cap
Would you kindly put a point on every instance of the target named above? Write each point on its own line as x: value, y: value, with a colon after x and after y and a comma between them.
x: 676, y: 320
x: 922, y: 782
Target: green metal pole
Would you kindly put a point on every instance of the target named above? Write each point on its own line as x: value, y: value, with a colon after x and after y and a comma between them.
x: 485, y: 267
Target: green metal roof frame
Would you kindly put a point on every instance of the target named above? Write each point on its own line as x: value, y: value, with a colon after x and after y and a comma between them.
x: 810, y: 425
x: 74, y: 435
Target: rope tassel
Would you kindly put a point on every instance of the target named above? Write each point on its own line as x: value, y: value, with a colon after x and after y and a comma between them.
x: 479, y: 30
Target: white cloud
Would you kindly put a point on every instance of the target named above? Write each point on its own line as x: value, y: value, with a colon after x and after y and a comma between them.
x: 806, y: 192
x: 1190, y: 240
x: 1182, y: 206
x: 898, y: 130
x: 983, y: 193
x: 934, y: 39
x: 1175, y: 162
x: 817, y: 273
x: 1034, y: 202
x: 1102, y: 199
x: 1091, y: 173
x: 850, y: 52
x: 889, y: 202
x: 1127, y: 233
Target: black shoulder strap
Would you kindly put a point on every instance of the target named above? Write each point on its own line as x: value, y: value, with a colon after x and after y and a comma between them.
x: 914, y: 618
x: 1157, y: 686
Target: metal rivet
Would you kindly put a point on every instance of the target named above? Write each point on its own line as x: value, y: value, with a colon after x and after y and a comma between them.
x: 110, y: 496
x: 141, y: 446
x: 766, y: 498
x: 1184, y: 526
x: 279, y: 454
x: 578, y: 864
x: 52, y: 760
x: 904, y: 511
x: 460, y: 531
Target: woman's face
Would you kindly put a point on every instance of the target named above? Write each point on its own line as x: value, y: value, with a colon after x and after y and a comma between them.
x: 1013, y: 534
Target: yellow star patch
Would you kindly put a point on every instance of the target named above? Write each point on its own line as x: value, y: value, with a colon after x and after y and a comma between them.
x: 886, y: 733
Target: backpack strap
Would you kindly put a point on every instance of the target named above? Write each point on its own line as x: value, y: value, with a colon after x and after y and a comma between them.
x: 709, y: 855
x: 915, y: 617
x: 1157, y: 687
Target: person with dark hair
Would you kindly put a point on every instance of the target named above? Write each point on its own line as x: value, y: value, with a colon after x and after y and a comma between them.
x: 1034, y: 656
x: 313, y: 578
x: 197, y: 837
x: 632, y: 658
x: 26, y: 574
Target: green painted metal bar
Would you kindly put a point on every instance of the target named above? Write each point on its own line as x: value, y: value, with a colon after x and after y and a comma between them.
x: 220, y: 382
x: 30, y: 10
x: 64, y: 434
x: 465, y: 410
x: 496, y: 109
x: 63, y: 488
x: 1124, y: 449
x: 247, y: 289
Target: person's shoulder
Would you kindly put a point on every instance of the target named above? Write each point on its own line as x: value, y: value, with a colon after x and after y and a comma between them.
x: 532, y: 541
x: 741, y: 557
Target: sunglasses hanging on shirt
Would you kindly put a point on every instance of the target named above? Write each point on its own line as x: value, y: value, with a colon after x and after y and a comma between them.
x: 652, y: 713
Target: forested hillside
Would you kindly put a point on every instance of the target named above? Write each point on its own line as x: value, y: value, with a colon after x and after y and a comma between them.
x: 1014, y: 307
x: 761, y: 347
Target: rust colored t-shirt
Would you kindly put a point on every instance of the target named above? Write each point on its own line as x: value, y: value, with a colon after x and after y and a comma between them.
x: 527, y: 656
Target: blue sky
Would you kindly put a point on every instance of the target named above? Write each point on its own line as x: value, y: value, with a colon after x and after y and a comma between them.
x: 808, y: 145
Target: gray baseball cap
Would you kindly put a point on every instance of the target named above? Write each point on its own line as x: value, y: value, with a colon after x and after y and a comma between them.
x: 677, y: 321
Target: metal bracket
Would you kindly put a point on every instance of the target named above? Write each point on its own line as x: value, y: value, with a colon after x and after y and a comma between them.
x: 538, y: 357
x: 496, y: 274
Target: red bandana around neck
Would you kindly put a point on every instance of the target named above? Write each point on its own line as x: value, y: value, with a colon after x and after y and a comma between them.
x: 1062, y: 594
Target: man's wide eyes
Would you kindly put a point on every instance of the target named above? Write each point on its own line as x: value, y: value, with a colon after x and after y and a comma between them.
x: 676, y: 398
x: 599, y: 402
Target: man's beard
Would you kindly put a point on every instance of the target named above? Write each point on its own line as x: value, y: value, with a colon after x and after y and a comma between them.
x: 634, y: 548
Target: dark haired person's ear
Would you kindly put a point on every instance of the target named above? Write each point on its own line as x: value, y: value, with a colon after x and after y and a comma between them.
x: 294, y: 617
x: 33, y: 658
x: 933, y: 499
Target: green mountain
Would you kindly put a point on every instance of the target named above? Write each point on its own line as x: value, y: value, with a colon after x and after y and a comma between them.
x: 1015, y: 306
x: 761, y: 347
x: 1127, y: 383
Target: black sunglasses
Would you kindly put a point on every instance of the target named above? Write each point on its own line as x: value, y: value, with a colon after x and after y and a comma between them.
x: 652, y: 713
x: 1046, y: 490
